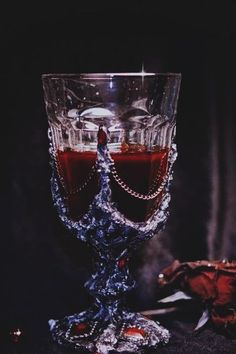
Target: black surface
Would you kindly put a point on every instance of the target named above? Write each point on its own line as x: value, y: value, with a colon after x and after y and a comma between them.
x: 183, y: 341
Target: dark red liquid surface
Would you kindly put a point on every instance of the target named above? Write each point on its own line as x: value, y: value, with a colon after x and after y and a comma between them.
x: 137, y: 169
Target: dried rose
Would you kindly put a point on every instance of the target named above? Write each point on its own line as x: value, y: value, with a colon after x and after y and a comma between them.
x: 212, y: 282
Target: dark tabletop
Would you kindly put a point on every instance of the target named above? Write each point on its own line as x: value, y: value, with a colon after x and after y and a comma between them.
x: 36, y: 340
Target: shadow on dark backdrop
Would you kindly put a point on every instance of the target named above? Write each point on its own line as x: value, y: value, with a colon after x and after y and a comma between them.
x: 42, y: 270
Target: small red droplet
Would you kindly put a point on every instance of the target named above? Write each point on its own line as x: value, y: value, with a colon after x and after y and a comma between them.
x: 102, y: 137
x: 134, y: 332
x: 79, y: 328
x: 122, y: 262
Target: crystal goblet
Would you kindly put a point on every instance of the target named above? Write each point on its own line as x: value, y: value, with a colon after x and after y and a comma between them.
x: 112, y: 151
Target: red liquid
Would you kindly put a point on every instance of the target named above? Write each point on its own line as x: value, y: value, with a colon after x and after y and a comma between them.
x: 137, y: 169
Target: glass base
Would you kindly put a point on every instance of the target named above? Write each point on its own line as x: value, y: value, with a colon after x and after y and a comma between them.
x: 131, y: 334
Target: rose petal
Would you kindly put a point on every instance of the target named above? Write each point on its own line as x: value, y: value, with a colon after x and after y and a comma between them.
x: 203, y: 285
x: 226, y: 288
x: 224, y: 319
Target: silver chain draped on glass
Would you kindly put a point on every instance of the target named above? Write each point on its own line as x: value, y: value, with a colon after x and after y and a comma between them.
x: 149, y: 196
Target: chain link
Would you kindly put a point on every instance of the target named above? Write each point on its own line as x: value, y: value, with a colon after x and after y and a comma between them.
x: 135, y: 194
x: 149, y: 196
x: 59, y: 171
x: 151, y: 193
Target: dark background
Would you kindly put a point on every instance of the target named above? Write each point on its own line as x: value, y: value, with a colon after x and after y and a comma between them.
x: 42, y: 270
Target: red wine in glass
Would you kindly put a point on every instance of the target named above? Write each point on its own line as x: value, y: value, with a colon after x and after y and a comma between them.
x: 141, y: 171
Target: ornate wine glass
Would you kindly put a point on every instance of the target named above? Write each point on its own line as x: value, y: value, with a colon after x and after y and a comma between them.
x: 112, y: 150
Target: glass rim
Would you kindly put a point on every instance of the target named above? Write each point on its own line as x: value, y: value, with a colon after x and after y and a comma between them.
x: 109, y: 76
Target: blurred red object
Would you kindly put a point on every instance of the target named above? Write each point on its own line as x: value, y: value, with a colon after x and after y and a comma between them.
x: 212, y: 282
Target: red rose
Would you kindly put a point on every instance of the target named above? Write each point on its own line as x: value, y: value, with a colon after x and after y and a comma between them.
x: 212, y: 282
